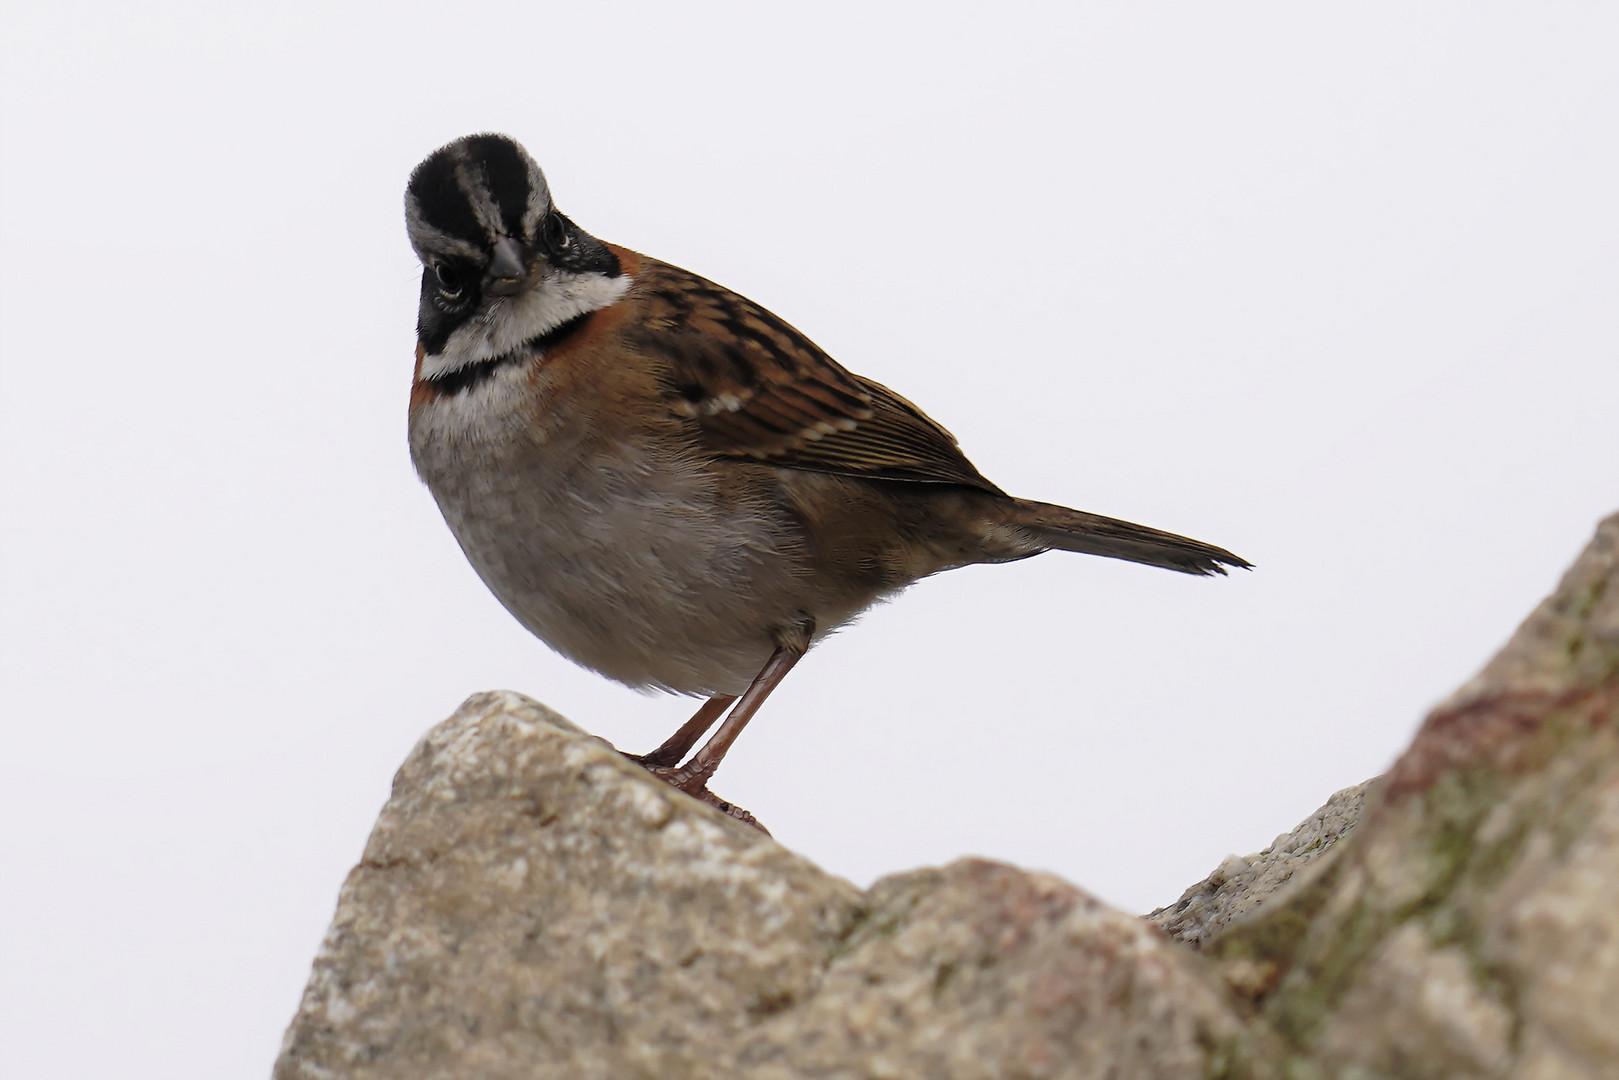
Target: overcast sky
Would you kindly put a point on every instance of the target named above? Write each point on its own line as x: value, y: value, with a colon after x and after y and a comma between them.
x: 1331, y: 286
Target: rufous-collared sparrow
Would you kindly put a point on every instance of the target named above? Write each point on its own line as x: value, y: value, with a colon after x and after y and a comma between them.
x: 665, y: 482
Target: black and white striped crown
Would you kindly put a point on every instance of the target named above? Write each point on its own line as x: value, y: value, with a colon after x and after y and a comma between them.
x: 473, y: 191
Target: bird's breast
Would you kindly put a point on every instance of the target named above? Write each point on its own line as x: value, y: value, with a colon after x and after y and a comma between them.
x: 624, y: 551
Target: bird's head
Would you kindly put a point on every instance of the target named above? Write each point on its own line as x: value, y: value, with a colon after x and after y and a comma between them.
x: 501, y: 266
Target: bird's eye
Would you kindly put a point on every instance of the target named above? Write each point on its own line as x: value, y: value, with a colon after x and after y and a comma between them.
x: 450, y: 283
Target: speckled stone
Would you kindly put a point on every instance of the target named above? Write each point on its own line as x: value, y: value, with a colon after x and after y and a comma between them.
x: 532, y: 905
x: 1467, y: 928
x: 1240, y: 884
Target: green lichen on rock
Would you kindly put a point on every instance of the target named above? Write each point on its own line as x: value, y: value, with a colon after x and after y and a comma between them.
x: 1464, y: 926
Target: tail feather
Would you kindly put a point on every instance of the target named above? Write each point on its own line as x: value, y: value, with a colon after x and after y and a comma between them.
x: 1059, y: 527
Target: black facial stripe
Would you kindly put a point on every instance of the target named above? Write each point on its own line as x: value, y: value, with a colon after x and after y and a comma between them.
x: 465, y: 378
x: 435, y: 321
x: 442, y: 202
x: 584, y: 253
x: 506, y: 174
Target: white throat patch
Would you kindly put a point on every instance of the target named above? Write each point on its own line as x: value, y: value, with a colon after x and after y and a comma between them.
x: 506, y: 322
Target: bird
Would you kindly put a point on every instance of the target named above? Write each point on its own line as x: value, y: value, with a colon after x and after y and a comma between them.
x: 667, y: 483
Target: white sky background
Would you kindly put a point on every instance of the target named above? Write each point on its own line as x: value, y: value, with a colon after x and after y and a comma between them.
x: 1332, y: 288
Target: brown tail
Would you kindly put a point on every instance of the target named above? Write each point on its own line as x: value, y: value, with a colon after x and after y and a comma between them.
x: 1091, y: 534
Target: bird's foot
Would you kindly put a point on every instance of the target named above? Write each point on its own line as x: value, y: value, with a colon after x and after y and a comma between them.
x: 694, y: 782
x: 659, y: 762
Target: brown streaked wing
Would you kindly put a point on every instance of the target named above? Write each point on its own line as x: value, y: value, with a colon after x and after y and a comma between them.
x: 897, y: 442
x: 757, y: 388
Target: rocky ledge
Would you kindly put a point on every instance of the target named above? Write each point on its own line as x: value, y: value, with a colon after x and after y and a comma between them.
x: 531, y: 905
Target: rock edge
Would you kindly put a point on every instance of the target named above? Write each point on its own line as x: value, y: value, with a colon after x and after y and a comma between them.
x: 532, y: 905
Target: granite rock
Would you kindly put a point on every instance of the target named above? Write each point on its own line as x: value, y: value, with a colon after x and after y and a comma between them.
x: 1241, y: 883
x: 532, y: 905
x: 1468, y: 926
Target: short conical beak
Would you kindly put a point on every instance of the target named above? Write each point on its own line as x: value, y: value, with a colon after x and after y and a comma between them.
x: 505, y: 273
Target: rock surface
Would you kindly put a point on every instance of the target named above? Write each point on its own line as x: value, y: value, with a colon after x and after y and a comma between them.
x: 1238, y: 885
x: 532, y: 905
x: 1468, y: 928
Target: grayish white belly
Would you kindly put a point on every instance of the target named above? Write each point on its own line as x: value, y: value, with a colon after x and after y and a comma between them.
x: 626, y: 560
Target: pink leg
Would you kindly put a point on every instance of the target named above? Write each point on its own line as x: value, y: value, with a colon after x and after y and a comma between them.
x: 692, y: 777
x: 676, y: 746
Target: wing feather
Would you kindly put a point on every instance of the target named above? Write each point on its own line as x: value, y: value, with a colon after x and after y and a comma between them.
x: 757, y: 388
